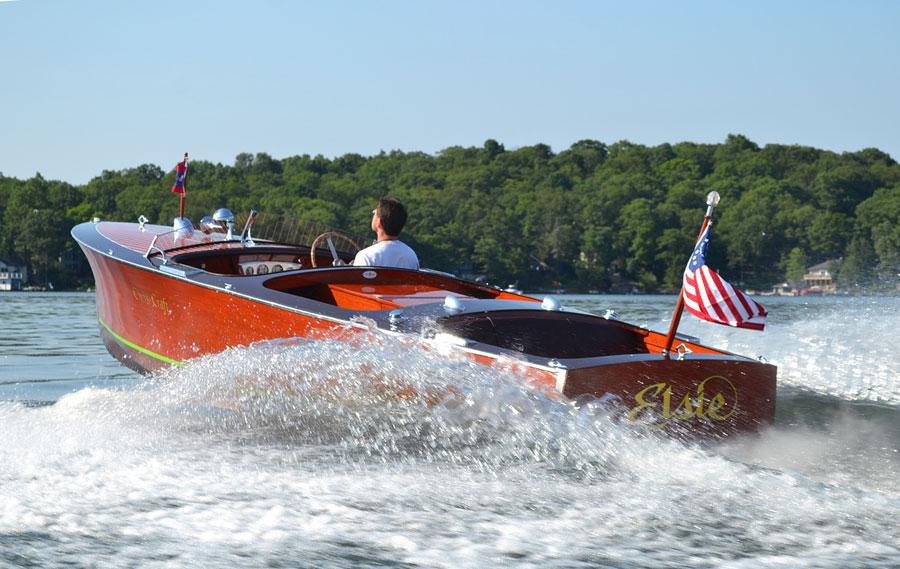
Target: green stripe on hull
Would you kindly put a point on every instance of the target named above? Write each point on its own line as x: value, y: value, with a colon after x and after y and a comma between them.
x: 140, y: 349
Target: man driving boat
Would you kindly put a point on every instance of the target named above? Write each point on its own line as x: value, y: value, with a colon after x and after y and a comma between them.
x: 388, y: 219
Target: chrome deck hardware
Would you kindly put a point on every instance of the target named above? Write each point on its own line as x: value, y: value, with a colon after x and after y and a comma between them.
x: 182, y: 227
x: 207, y: 224
x: 396, y: 318
x: 246, y: 237
x: 153, y: 246
x: 224, y: 215
x: 453, y: 305
x: 550, y: 303
x: 682, y: 350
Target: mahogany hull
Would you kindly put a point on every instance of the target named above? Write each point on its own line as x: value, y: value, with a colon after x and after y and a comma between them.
x: 150, y: 318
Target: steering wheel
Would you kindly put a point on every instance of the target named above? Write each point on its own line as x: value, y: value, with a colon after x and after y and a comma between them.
x: 330, y: 237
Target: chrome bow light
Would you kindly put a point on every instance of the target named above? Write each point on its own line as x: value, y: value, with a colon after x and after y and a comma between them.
x: 224, y: 215
x: 208, y: 224
x: 453, y: 305
x: 183, y: 226
x: 550, y: 303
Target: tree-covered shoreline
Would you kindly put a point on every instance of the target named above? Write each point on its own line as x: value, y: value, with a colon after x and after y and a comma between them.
x: 611, y: 218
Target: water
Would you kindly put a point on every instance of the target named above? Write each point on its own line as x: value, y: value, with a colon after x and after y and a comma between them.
x: 298, y: 454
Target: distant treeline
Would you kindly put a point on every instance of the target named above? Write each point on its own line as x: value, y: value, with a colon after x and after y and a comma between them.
x: 616, y: 217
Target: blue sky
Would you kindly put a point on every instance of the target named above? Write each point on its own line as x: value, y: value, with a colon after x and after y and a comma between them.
x: 94, y: 85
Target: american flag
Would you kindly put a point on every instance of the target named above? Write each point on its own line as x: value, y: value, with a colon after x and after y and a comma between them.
x: 708, y: 297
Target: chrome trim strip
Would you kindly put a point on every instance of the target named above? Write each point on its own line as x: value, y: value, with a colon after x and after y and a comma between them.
x: 561, y: 380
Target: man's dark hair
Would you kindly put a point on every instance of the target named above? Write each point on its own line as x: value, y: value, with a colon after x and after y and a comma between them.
x: 392, y: 215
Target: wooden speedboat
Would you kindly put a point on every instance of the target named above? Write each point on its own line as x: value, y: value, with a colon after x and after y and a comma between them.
x: 166, y: 296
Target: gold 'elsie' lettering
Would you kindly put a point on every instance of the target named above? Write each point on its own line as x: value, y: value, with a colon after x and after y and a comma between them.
x: 714, y: 398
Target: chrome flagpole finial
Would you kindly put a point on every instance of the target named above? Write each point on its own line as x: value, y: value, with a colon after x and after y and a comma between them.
x: 712, y: 200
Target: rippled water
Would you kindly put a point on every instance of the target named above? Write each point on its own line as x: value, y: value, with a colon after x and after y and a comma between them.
x: 306, y: 454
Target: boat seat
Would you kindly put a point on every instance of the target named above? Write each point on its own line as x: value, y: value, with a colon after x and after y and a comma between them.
x: 341, y: 296
x: 429, y: 297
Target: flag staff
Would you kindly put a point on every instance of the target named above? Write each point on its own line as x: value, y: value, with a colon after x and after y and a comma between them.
x: 712, y: 200
x: 183, y: 182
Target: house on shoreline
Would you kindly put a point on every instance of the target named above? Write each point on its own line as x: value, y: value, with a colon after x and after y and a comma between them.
x: 12, y: 277
x: 819, y: 279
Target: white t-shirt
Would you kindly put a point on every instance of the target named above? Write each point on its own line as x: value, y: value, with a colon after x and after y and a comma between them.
x: 391, y: 253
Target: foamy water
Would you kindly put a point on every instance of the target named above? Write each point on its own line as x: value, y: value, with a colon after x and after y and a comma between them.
x: 316, y: 454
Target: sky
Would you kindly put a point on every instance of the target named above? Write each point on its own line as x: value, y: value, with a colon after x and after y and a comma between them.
x: 87, y: 86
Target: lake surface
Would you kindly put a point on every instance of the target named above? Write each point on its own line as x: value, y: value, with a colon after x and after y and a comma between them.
x: 285, y: 455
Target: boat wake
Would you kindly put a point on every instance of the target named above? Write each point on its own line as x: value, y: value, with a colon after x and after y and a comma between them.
x: 835, y: 350
x: 335, y: 452
x: 386, y: 400
x: 823, y: 355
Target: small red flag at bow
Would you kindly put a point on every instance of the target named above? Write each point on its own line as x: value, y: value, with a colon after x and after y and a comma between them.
x: 180, y: 175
